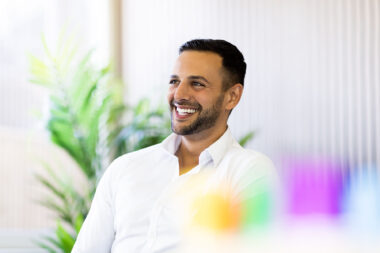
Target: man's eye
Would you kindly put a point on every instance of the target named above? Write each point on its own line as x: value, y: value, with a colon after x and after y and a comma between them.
x: 197, y: 84
x: 173, y: 81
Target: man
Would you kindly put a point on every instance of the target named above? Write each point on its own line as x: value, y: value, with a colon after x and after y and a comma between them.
x: 129, y: 212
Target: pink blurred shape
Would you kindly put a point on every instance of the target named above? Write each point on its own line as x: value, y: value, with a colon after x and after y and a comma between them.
x: 314, y: 186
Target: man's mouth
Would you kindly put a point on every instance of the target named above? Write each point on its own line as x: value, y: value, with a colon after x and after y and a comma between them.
x: 185, y: 111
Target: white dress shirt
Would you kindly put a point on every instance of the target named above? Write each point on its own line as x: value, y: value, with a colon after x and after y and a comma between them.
x: 129, y: 212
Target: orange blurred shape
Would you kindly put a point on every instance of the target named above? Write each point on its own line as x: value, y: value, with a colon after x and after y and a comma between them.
x: 216, y: 212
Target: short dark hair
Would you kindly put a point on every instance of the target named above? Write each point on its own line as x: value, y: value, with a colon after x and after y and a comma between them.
x: 233, y: 60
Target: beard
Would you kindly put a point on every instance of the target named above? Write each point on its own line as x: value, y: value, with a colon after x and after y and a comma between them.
x: 205, y: 120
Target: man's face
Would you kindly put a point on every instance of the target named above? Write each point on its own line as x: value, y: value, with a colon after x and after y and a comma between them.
x: 195, y: 94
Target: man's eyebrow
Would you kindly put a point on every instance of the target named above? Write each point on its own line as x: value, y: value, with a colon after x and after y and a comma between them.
x: 191, y: 77
x: 199, y: 77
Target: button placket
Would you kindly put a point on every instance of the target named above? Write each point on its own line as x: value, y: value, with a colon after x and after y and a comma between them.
x: 157, y: 209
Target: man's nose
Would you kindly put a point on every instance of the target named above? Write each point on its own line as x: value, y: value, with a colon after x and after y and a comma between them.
x: 182, y: 91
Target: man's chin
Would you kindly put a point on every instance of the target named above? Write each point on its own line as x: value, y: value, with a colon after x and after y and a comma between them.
x: 180, y: 131
x: 183, y: 130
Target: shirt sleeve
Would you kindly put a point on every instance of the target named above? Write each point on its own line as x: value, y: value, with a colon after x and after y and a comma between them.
x: 97, y: 232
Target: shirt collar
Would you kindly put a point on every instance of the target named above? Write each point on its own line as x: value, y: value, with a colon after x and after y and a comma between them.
x: 218, y: 149
x: 171, y: 143
x: 214, y: 153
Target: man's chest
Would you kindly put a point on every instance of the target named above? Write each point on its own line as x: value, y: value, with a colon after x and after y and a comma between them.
x: 144, y: 214
x: 149, y: 207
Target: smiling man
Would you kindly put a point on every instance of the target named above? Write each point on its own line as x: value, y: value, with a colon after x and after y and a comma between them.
x: 201, y: 95
x: 130, y: 211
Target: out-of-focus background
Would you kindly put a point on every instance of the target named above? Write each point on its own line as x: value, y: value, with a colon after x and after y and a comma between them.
x: 312, y: 86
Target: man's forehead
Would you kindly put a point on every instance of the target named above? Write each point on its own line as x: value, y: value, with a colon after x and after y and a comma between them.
x: 198, y: 62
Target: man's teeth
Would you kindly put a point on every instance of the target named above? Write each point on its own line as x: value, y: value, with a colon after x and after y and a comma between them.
x: 185, y: 111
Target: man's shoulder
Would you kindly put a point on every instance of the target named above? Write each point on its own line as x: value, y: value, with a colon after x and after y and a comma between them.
x: 244, y: 161
x: 247, y: 167
x: 241, y: 154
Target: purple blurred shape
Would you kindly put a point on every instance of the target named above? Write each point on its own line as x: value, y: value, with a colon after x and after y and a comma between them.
x: 314, y: 186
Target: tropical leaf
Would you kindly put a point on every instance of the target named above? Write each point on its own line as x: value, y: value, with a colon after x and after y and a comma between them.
x: 65, y: 238
x: 45, y: 246
x: 40, y: 71
x: 51, y: 243
x: 78, y: 223
x: 50, y: 185
x: 246, y: 138
x: 83, y: 116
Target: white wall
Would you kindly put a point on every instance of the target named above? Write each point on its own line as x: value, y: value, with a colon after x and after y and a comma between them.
x: 312, y: 84
x: 22, y: 24
x: 22, y: 218
x: 24, y: 143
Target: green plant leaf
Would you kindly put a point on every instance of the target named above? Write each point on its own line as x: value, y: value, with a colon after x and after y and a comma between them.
x: 246, y: 138
x: 46, y: 247
x: 66, y: 240
x: 59, y: 193
x: 78, y: 223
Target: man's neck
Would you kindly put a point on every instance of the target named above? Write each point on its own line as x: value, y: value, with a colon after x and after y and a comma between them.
x: 193, y: 145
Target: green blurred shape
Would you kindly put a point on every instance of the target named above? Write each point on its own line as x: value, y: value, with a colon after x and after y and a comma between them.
x: 256, y: 207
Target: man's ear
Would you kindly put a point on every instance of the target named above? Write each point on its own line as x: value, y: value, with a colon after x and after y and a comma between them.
x: 233, y: 95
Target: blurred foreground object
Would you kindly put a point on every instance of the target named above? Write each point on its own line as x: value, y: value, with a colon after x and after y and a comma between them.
x: 361, y: 204
x: 217, y: 219
x: 218, y: 208
x: 315, y: 187
x: 216, y: 211
x: 326, y: 209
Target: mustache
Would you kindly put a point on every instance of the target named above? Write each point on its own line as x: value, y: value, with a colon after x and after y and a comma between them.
x: 184, y: 102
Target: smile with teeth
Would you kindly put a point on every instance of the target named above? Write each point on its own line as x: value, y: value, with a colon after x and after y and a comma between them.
x: 185, y: 111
